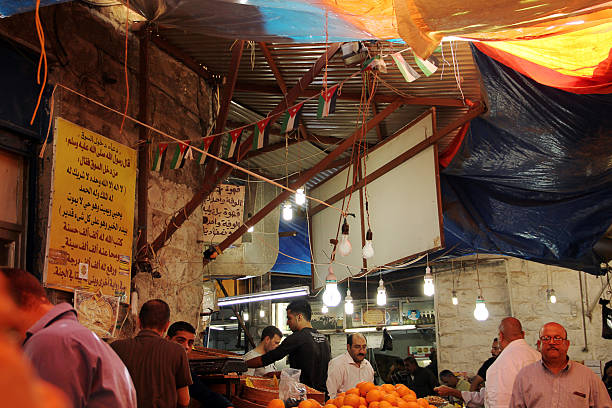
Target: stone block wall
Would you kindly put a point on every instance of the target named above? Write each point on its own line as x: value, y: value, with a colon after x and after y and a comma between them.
x: 513, y: 287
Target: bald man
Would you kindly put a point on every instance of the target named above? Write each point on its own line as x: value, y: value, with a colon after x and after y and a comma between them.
x: 556, y: 381
x: 515, y: 355
x: 350, y: 368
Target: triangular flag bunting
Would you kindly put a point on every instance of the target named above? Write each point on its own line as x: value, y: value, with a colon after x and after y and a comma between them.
x: 407, y: 71
x: 260, y: 132
x: 189, y: 154
x: 428, y: 66
x: 375, y: 63
x: 327, y: 102
x: 159, y: 156
x: 178, y: 159
x: 233, y: 141
x: 291, y: 118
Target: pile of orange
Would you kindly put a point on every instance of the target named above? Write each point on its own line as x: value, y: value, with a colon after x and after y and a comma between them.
x: 367, y: 395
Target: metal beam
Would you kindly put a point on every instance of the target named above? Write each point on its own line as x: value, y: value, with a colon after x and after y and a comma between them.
x: 378, y: 98
x: 209, y: 172
x: 211, y: 181
x: 144, y: 161
x: 473, y: 112
x: 272, y: 205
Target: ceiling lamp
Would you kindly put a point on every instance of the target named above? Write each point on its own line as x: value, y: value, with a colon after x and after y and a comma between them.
x: 480, y: 311
x: 368, y: 249
x: 324, y: 309
x: 381, y: 294
x: 267, y: 295
x: 348, y: 303
x: 552, y: 298
x: 428, y: 285
x: 344, y: 246
x: 331, y: 295
x: 262, y: 313
x: 454, y: 299
x: 300, y: 196
x: 287, y: 212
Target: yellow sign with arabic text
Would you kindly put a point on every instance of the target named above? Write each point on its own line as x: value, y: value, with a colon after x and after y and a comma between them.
x: 91, y: 216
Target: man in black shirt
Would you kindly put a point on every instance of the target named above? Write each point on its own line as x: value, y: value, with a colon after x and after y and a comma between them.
x: 418, y: 379
x: 308, y: 350
x: 481, y: 377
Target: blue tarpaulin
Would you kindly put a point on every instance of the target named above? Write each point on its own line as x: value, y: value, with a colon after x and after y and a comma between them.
x: 533, y: 177
x: 297, y: 247
x: 11, y: 7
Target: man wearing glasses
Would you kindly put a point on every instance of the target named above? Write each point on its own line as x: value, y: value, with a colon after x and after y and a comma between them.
x: 555, y: 381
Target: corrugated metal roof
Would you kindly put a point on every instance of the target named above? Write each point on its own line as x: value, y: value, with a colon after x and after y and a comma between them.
x: 456, y: 78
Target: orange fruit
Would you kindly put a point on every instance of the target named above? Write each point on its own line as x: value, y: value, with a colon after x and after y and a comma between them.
x: 401, y: 403
x: 374, y: 404
x: 385, y: 404
x: 305, y: 404
x: 353, y: 391
x: 329, y: 404
x: 338, y: 401
x: 347, y: 406
x: 351, y: 399
x: 388, y: 387
x: 410, y: 397
x: 423, y: 402
x: 402, y: 390
x: 363, y: 406
x: 390, y: 398
x: 315, y: 403
x: 276, y: 403
x: 364, y: 387
x: 373, y: 395
x: 362, y: 401
x: 413, y: 404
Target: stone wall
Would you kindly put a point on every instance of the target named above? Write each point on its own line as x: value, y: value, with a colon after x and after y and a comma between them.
x: 86, y: 49
x: 513, y: 287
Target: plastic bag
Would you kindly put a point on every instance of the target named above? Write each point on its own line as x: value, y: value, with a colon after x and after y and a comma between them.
x: 290, y: 390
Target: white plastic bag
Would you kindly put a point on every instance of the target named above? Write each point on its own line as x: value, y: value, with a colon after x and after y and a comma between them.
x: 290, y: 390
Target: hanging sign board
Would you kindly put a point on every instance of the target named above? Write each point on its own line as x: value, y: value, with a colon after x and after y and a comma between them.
x: 91, y: 214
x: 223, y: 213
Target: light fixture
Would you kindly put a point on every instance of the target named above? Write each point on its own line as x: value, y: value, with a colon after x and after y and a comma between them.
x: 381, y: 294
x: 344, y: 246
x: 262, y: 313
x: 287, y: 212
x: 331, y: 295
x: 267, y: 295
x: 245, y: 316
x: 455, y: 300
x: 348, y: 303
x: 480, y: 311
x: 300, y: 196
x: 552, y: 298
x: 324, y: 309
x: 360, y: 330
x: 251, y: 229
x: 373, y: 329
x: 368, y: 249
x: 428, y: 286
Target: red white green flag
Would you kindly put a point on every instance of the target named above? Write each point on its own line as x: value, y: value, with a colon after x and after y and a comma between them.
x: 407, y: 71
x: 260, y: 133
x: 205, y: 145
x: 232, y: 141
x: 428, y: 66
x: 327, y: 102
x: 159, y: 156
x: 375, y: 63
x: 178, y: 159
x: 292, y: 118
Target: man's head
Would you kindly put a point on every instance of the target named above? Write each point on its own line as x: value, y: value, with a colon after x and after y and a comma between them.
x: 357, y: 347
x: 510, y: 329
x: 182, y: 333
x: 553, y: 343
x: 448, y: 378
x: 298, y: 315
x: 271, y: 337
x: 495, y: 348
x: 411, y: 364
x: 29, y: 296
x: 154, y: 315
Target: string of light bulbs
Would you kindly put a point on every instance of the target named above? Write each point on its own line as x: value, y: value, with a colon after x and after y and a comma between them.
x: 480, y: 311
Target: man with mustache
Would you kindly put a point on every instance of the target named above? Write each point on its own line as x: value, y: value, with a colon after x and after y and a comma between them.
x: 555, y: 381
x: 349, y: 369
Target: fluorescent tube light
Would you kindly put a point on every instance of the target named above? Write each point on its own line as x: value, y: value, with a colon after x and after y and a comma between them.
x: 360, y: 330
x: 373, y: 329
x: 267, y: 295
x: 401, y: 327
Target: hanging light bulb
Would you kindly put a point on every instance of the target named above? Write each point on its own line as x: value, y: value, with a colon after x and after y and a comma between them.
x: 344, y: 246
x: 348, y: 303
x: 480, y: 311
x: 381, y: 294
x: 331, y: 295
x: 368, y: 249
x: 287, y: 212
x: 428, y: 286
x: 245, y: 316
x: 300, y: 196
x: 324, y: 309
x: 262, y: 313
x: 552, y: 298
x: 455, y: 300
x: 251, y: 229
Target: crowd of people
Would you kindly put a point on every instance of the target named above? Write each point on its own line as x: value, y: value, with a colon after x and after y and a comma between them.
x: 74, y: 368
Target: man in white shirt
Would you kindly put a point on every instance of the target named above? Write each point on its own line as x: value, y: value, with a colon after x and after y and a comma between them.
x: 349, y: 369
x: 515, y: 355
x: 270, y: 339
